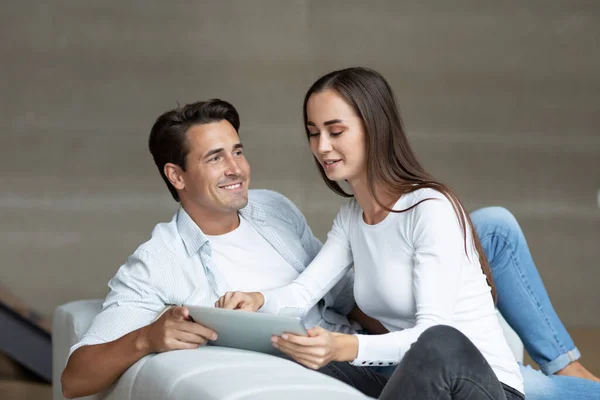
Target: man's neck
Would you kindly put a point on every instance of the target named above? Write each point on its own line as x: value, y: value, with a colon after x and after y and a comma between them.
x: 213, y: 222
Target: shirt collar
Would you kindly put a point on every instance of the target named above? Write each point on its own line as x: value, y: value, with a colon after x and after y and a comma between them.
x: 193, y: 237
x: 191, y: 234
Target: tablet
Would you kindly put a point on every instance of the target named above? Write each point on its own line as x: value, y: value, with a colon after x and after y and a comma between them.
x: 246, y: 330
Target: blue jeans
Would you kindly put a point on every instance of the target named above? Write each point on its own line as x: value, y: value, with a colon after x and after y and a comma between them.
x: 524, y: 303
x: 555, y: 387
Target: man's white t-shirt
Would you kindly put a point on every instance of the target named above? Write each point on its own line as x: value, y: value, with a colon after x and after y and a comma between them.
x: 248, y: 263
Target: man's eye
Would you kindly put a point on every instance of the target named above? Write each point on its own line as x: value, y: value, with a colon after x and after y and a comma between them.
x: 214, y: 159
x: 238, y: 153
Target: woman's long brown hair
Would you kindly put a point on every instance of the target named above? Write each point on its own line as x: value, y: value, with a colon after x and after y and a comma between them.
x: 390, y: 158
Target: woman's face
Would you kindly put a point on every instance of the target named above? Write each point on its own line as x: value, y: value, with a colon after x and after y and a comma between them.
x: 337, y: 136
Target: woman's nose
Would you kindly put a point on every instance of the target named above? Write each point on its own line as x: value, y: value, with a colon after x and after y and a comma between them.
x: 324, y: 144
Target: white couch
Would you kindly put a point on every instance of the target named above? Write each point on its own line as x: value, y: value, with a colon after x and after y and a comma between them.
x: 208, y: 373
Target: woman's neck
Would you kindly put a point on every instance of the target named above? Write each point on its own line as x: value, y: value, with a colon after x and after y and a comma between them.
x: 373, y: 212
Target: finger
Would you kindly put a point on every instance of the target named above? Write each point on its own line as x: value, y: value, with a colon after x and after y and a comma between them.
x: 299, y: 350
x: 304, y: 340
x: 197, y: 329
x: 174, y: 344
x: 192, y: 338
x: 234, y: 301
x: 181, y: 345
x: 245, y: 307
x: 292, y: 353
x: 316, y: 331
x: 180, y: 313
x: 223, y: 300
x: 308, y: 362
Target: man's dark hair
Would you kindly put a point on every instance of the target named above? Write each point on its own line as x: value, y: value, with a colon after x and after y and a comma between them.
x: 168, y: 141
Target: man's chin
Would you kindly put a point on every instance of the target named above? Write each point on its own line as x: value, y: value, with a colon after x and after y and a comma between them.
x: 239, y: 202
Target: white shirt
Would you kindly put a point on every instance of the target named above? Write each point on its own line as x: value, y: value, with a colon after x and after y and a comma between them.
x: 248, y: 263
x: 411, y: 273
x: 176, y: 267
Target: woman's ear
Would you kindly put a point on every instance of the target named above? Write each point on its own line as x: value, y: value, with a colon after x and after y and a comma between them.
x: 174, y: 175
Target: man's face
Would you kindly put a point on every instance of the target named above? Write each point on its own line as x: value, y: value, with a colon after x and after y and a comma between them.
x: 217, y: 175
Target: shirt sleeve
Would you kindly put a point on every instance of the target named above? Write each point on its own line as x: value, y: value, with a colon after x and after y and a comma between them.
x: 329, y: 267
x: 341, y: 296
x: 133, y: 301
x: 438, y: 256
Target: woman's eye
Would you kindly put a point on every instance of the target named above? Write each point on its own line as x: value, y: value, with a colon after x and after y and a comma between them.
x: 313, y: 134
x: 336, y: 133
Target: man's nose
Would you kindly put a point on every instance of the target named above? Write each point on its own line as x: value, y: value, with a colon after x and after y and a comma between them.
x: 233, y: 167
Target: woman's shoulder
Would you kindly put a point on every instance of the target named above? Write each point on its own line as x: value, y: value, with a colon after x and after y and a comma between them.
x: 349, y: 208
x: 419, y: 195
x: 428, y: 204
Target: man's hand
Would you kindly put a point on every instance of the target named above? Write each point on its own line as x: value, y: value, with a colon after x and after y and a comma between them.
x: 370, y: 324
x: 174, y: 331
x: 245, y: 301
x: 319, y: 348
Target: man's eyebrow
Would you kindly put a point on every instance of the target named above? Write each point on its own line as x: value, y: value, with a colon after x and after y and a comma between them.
x: 213, y: 152
x: 219, y: 150
x: 327, y: 123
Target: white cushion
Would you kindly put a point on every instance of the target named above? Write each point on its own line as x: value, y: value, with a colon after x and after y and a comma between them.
x: 208, y: 373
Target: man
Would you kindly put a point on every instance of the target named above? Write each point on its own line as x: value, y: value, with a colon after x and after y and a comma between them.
x: 198, y: 256
x: 223, y: 238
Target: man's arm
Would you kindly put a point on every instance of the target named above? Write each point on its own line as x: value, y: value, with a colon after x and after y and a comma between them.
x: 125, y: 330
x: 93, y: 368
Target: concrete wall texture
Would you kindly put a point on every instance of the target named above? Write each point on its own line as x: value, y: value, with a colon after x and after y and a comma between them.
x: 501, y: 101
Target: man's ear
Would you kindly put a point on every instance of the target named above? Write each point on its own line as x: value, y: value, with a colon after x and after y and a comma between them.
x: 174, y: 175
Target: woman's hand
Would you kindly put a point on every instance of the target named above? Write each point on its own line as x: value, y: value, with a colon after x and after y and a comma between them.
x: 245, y: 301
x: 319, y: 348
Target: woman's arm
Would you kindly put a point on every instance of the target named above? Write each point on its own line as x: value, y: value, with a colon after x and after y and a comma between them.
x: 324, y: 272
x: 296, y: 299
x: 438, y: 248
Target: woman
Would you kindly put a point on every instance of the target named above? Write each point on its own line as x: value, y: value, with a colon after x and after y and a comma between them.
x: 417, y: 263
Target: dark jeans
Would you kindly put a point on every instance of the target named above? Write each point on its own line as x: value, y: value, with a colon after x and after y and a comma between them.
x: 442, y: 364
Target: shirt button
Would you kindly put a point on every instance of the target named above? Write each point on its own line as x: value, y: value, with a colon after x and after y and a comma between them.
x: 390, y: 363
x: 371, y: 363
x: 364, y: 362
x: 380, y: 363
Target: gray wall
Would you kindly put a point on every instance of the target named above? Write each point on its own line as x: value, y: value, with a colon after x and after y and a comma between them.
x: 501, y: 100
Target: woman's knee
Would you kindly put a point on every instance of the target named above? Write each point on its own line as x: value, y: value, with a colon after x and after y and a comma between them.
x: 444, y: 342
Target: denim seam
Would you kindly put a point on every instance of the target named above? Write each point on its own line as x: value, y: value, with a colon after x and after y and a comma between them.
x: 557, y: 343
